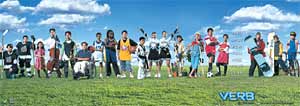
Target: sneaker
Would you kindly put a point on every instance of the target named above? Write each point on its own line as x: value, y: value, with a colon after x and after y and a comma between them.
x: 170, y: 76
x: 123, y: 76
x: 180, y: 74
x: 158, y: 75
x: 100, y: 76
x: 118, y: 76
x: 131, y: 75
x: 148, y: 74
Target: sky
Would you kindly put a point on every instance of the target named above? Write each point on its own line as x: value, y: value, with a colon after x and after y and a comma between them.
x: 84, y: 18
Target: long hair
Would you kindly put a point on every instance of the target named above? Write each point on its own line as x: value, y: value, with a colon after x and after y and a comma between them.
x: 37, y: 45
x: 107, y: 33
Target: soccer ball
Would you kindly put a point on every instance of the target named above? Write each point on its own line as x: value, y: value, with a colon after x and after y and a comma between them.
x: 209, y: 74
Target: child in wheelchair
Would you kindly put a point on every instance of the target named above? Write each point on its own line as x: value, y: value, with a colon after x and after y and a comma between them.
x: 83, y: 63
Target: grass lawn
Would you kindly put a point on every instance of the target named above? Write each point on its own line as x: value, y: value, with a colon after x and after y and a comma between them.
x: 279, y: 90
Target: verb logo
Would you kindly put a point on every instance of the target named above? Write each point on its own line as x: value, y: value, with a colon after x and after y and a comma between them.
x: 237, y: 96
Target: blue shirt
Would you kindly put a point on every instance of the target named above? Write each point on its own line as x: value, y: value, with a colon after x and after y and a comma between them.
x: 292, y: 46
x: 84, y: 54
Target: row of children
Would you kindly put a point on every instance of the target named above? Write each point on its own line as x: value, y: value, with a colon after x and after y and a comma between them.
x: 291, y: 54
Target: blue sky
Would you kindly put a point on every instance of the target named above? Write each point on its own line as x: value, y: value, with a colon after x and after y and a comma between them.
x: 236, y: 17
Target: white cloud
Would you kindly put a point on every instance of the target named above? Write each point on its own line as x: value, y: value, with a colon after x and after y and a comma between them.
x: 23, y: 30
x: 267, y: 13
x: 13, y: 23
x: 253, y: 26
x: 76, y: 6
x: 66, y: 19
x: 293, y: 0
x: 105, y: 28
x: 15, y: 6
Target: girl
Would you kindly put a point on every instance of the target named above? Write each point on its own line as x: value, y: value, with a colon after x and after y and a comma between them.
x: 223, y: 57
x: 195, y: 54
x: 154, y: 55
x: 39, y: 54
x: 110, y: 54
x: 179, y: 50
x: 165, y: 52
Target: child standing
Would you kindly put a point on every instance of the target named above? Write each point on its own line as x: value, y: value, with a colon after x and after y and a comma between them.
x: 124, y: 50
x: 98, y: 54
x: 179, y: 50
x: 154, y: 55
x: 278, y: 50
x: 142, y: 58
x: 210, y: 49
x: 223, y: 57
x: 292, y: 47
x: 39, y: 54
x: 165, y: 52
x: 195, y: 54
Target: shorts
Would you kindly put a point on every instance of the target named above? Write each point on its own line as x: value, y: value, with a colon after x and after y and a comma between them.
x: 153, y: 55
x: 211, y: 55
x: 165, y: 54
x: 126, y: 66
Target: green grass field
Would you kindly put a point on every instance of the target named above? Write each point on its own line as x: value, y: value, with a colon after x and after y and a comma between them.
x: 280, y: 90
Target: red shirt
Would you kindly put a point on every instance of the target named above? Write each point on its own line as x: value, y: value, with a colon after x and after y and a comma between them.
x: 261, y: 48
x: 210, y: 48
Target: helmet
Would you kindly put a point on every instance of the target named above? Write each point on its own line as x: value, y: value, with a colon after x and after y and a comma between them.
x: 293, y: 33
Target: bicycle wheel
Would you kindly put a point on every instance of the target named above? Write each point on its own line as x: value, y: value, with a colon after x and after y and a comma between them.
x: 295, y: 71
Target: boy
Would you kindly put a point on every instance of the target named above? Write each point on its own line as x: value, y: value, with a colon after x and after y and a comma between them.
x: 67, y: 53
x: 54, y: 44
x: 124, y: 50
x: 278, y: 50
x: 98, y: 54
x: 10, y: 62
x: 261, y: 46
x: 83, y: 57
x: 210, y: 49
x: 24, y: 51
x: 292, y: 46
x: 142, y: 58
